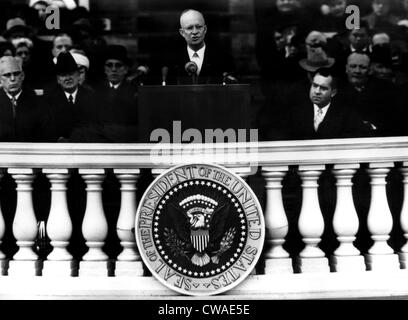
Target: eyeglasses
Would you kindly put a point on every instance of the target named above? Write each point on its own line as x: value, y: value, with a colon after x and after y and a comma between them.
x: 114, y: 64
x: 190, y: 29
x: 9, y: 74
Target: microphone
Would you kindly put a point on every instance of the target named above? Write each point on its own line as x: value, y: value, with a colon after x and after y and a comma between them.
x: 138, y: 74
x: 227, y: 77
x: 191, y: 69
x: 165, y: 71
x: 142, y: 70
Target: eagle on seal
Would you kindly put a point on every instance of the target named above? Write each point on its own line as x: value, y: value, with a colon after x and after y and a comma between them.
x: 199, y: 220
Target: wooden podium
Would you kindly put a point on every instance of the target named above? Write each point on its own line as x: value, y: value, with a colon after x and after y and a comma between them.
x: 194, y: 106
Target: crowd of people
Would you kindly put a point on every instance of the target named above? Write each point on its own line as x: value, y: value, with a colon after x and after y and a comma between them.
x: 320, y: 78
x: 364, y: 77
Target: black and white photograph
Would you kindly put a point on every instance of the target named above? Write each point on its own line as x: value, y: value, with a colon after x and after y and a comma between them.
x: 202, y: 158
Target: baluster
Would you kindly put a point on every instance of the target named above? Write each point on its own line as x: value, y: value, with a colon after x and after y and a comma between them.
x: 277, y: 259
x: 94, y: 226
x: 129, y: 262
x: 380, y: 256
x: 2, y: 226
x: 403, y: 254
x: 311, y: 223
x: 3, y: 261
x: 25, y: 261
x: 345, y: 222
x: 59, y: 226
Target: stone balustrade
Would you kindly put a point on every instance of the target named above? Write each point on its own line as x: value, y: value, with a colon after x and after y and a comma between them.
x: 264, y: 165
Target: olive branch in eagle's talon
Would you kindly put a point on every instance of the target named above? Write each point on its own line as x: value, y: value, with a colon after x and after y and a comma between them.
x: 225, y: 244
x: 177, y: 246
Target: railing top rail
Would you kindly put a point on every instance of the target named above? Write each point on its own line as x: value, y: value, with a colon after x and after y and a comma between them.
x: 276, y: 153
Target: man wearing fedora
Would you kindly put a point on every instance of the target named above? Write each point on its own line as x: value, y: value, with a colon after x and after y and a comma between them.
x: 72, y: 106
x: 23, y: 116
x: 117, y: 98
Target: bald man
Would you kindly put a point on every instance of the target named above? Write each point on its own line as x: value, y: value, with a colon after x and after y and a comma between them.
x: 210, y: 63
x: 376, y: 101
x: 23, y: 117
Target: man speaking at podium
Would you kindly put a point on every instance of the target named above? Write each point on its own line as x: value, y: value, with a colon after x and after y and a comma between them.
x: 197, y: 63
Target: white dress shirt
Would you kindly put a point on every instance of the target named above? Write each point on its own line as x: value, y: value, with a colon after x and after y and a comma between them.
x: 114, y: 86
x: 74, y: 94
x: 198, y: 60
x: 318, y: 119
x: 16, y: 96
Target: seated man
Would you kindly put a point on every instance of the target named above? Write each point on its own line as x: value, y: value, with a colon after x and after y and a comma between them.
x: 376, y: 101
x: 72, y: 106
x: 117, y: 99
x: 24, y: 47
x: 61, y: 43
x: 322, y: 117
x: 23, y: 117
x: 343, y: 44
x: 196, y: 61
x: 334, y: 19
x: 381, y: 18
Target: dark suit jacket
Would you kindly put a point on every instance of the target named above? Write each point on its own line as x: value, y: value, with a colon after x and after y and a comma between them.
x: 339, y: 122
x: 216, y: 62
x: 117, y: 112
x: 67, y: 118
x: 32, y: 120
x: 376, y: 104
x: 117, y: 106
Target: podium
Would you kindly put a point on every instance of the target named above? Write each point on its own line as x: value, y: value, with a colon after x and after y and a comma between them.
x: 181, y: 107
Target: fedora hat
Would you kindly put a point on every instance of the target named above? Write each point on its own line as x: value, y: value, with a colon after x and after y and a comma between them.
x: 14, y: 25
x: 117, y: 52
x: 65, y: 63
x: 316, y: 59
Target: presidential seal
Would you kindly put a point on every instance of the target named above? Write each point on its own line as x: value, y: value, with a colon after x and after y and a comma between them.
x: 200, y: 229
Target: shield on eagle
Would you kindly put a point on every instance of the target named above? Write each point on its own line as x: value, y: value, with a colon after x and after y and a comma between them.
x: 199, y: 239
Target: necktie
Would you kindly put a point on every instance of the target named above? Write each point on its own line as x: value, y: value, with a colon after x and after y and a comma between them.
x: 71, y: 99
x: 318, y: 119
x: 195, y: 59
x: 14, y: 105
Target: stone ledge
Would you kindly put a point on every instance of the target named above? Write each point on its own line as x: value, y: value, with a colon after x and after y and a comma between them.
x: 370, y: 284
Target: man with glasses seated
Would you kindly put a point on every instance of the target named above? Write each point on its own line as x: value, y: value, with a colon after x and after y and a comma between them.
x: 210, y: 63
x: 23, y: 117
x: 117, y: 98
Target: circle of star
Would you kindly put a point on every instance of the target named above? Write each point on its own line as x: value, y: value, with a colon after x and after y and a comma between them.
x: 241, y: 232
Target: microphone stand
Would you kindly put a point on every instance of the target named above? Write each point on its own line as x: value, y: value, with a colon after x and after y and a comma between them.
x: 194, y: 77
x: 165, y: 70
